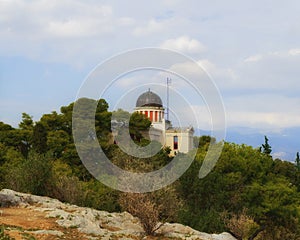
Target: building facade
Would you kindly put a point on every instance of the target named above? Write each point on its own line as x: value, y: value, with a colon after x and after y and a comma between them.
x: 178, y: 139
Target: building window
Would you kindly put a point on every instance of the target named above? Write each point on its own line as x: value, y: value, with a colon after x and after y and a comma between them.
x: 175, y: 142
x: 156, y: 118
x: 151, y: 116
x: 146, y: 113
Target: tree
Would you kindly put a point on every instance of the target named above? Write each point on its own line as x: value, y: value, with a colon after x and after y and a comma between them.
x: 57, y: 142
x: 52, y: 121
x: 39, y: 139
x: 137, y: 124
x: 27, y: 122
x: 5, y: 127
x: 297, y: 161
x: 66, y: 118
x: 273, y: 204
x: 267, y: 149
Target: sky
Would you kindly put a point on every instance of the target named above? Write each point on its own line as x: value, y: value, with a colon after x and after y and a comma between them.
x: 251, y: 50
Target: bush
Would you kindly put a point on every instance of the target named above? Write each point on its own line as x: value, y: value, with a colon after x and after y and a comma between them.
x: 32, y: 175
x: 142, y: 207
x: 152, y: 209
x: 242, y: 226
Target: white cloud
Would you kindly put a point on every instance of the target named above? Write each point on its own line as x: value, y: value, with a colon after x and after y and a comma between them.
x: 184, y: 44
x: 254, y: 58
x: 262, y: 120
x: 75, y: 28
x: 126, y: 21
x: 294, y: 52
x: 73, y: 32
x: 280, y: 155
x: 273, y: 71
x: 153, y: 26
x: 263, y: 111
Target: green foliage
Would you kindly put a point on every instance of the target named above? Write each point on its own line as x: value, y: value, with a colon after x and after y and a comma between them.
x: 39, y: 139
x: 27, y: 122
x: 242, y: 177
x: 138, y: 123
x: 57, y: 142
x: 30, y: 175
x: 203, y: 141
x: 5, y: 127
x: 267, y: 149
x: 99, y: 196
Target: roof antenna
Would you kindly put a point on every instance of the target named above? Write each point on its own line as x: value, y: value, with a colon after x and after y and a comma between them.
x: 169, y: 80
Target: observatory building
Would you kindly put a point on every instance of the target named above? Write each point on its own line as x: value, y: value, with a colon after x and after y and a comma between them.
x: 178, y: 139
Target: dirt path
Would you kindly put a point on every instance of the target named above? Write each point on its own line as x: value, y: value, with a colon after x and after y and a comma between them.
x: 21, y: 223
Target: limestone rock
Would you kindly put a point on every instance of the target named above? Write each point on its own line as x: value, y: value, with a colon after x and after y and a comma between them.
x: 97, y: 224
x: 176, y: 230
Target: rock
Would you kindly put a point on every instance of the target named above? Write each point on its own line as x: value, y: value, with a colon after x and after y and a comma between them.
x: 223, y: 236
x: 176, y: 230
x: 47, y: 232
x: 96, y: 223
x: 8, y: 200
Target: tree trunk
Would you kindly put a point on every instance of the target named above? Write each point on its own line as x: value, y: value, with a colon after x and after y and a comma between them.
x: 254, y: 235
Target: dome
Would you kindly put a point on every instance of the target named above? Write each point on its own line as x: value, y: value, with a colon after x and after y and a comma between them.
x: 149, y: 99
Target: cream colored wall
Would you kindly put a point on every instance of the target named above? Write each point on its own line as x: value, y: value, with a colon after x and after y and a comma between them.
x: 185, y: 141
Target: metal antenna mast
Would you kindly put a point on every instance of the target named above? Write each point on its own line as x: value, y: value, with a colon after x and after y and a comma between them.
x: 168, y: 84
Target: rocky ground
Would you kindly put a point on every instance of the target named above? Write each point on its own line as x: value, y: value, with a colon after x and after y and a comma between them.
x: 25, y: 216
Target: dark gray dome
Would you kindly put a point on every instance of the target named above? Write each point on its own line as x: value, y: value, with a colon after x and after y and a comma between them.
x: 149, y: 99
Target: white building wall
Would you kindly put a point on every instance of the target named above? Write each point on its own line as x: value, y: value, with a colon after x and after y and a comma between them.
x: 185, y: 140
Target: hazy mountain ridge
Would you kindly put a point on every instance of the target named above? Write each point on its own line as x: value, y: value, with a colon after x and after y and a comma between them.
x: 284, y: 142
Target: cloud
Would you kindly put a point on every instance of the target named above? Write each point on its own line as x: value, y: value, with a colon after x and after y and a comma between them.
x: 55, y: 18
x: 280, y: 155
x: 73, y: 32
x: 126, y: 21
x: 263, y: 111
x: 254, y: 58
x: 294, y: 52
x: 273, y: 71
x: 153, y: 26
x: 184, y: 44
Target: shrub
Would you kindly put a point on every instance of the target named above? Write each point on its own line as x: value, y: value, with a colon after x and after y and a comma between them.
x: 31, y: 175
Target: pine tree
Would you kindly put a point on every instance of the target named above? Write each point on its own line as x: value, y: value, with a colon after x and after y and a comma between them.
x: 267, y: 149
x: 297, y: 161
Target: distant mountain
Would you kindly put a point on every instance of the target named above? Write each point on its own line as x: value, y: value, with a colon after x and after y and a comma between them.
x: 285, y: 142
